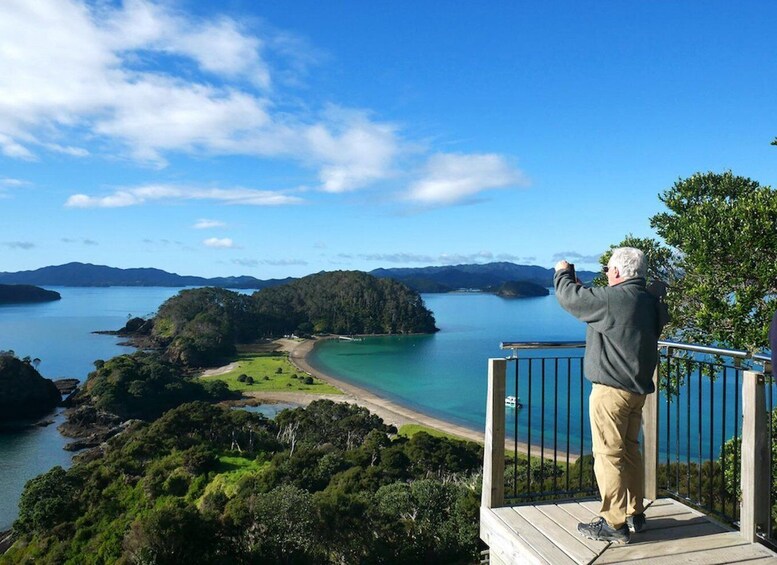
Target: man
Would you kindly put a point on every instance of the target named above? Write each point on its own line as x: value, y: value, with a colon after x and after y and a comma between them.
x: 624, y: 321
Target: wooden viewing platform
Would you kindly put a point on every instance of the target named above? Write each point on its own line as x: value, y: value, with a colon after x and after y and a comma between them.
x: 546, y: 534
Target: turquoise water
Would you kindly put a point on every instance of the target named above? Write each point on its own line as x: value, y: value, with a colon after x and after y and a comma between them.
x: 445, y: 374
x: 60, y: 334
x: 442, y: 374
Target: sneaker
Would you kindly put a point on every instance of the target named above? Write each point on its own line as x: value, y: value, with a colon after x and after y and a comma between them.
x: 636, y: 523
x: 599, y: 529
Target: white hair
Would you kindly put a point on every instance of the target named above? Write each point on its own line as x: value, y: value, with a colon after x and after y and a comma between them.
x: 630, y: 262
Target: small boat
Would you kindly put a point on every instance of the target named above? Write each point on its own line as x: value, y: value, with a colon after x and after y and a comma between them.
x: 513, y: 402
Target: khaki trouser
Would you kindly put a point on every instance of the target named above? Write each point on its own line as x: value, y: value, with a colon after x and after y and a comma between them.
x: 616, y: 418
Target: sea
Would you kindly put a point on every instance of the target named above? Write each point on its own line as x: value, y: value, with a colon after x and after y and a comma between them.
x: 443, y: 374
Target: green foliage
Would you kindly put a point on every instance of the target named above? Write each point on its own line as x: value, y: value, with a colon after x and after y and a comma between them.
x: 48, y: 502
x: 342, y: 302
x: 204, y: 484
x: 323, y: 421
x: 143, y: 385
x: 201, y: 326
x: 724, y: 228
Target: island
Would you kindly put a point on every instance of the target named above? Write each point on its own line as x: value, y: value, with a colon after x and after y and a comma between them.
x: 520, y: 289
x: 25, y: 293
x: 24, y: 393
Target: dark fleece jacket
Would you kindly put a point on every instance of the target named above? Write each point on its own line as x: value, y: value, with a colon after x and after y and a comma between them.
x: 623, y: 325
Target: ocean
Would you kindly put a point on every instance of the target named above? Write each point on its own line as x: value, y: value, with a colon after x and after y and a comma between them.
x: 443, y: 374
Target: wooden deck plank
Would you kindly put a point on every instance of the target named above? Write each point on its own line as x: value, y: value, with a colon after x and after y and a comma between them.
x: 557, y: 513
x: 533, y: 538
x: 506, y: 545
x: 560, y: 531
x: 547, y: 533
x: 728, y: 547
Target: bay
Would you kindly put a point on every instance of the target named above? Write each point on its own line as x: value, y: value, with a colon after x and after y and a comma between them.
x: 444, y: 374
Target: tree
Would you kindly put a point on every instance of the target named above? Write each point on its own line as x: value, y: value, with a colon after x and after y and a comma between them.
x: 48, y: 501
x: 661, y: 260
x: 724, y: 228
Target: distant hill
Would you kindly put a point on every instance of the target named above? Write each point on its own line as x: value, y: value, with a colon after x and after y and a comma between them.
x: 25, y: 293
x: 481, y: 277
x: 487, y: 277
x: 86, y: 274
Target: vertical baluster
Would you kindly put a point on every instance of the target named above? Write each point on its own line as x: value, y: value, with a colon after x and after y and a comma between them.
x: 542, y: 426
x: 569, y: 415
x: 515, y: 427
x: 724, y: 397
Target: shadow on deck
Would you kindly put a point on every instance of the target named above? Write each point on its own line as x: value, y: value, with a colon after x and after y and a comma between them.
x: 546, y: 533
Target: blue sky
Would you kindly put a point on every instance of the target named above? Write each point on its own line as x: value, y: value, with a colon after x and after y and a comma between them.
x: 280, y: 138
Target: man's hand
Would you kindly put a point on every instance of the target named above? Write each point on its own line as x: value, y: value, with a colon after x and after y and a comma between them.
x: 562, y: 265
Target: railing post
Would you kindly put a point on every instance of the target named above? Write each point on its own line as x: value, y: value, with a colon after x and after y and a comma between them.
x: 755, y: 456
x: 650, y: 441
x: 493, y: 492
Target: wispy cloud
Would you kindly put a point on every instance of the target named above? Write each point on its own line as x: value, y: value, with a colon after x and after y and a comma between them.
x: 143, y: 194
x: 574, y: 256
x: 397, y: 258
x: 205, y: 224
x: 451, y: 178
x: 18, y: 244
x: 12, y: 183
x: 442, y: 259
x: 270, y: 262
x: 84, y: 241
x: 219, y: 243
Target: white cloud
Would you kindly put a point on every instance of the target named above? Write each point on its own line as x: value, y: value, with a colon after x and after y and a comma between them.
x: 397, y: 258
x: 354, y: 151
x: 84, y: 241
x: 270, y: 262
x: 453, y: 177
x: 12, y: 182
x: 99, y: 75
x: 19, y: 244
x: 575, y: 256
x: 143, y: 194
x: 94, y: 72
x: 205, y: 224
x: 219, y: 243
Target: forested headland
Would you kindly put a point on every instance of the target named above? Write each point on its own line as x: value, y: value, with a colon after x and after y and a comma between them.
x: 200, y: 327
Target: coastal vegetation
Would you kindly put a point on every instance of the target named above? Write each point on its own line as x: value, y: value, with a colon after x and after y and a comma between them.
x: 204, y: 484
x: 202, y: 327
x: 24, y: 293
x: 143, y: 385
x: 24, y: 393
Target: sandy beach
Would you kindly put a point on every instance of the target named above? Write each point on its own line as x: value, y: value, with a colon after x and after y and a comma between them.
x: 391, y: 412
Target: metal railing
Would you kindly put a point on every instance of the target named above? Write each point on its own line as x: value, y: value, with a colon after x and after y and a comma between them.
x: 706, y: 434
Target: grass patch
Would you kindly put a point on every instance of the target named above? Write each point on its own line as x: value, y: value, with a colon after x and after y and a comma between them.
x: 230, y: 470
x: 271, y: 372
x: 409, y: 430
